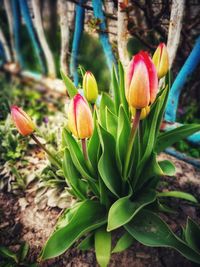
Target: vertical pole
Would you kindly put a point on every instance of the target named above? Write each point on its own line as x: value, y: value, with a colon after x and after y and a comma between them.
x: 122, y: 34
x: 175, y: 26
x: 16, y: 31
x: 32, y: 33
x: 103, y: 35
x: 64, y: 28
x: 37, y: 20
x: 188, y: 68
x: 78, y: 31
x: 8, y: 9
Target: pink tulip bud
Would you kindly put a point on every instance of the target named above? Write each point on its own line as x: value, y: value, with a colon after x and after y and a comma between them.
x: 141, y: 81
x: 161, y: 60
x: 22, y: 121
x: 80, y: 120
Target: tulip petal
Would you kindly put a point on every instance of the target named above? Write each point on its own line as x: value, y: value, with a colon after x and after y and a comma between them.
x: 80, y: 120
x: 84, y: 119
x: 22, y: 121
x: 164, y: 62
x: 90, y: 87
x: 138, y: 93
x: 72, y: 119
x: 153, y: 77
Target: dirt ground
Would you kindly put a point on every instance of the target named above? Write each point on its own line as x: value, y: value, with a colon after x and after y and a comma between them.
x: 21, y: 220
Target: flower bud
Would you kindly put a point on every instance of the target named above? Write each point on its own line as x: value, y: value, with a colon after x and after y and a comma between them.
x: 90, y: 87
x: 161, y: 60
x: 141, y: 84
x: 144, y: 112
x: 22, y: 121
x: 80, y: 121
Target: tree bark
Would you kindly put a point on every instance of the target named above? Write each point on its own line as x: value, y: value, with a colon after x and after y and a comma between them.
x: 122, y: 34
x: 65, y: 35
x: 175, y: 26
x: 41, y: 35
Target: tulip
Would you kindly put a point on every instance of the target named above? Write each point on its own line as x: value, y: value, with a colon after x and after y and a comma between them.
x: 80, y: 120
x: 161, y: 60
x: 144, y: 112
x: 22, y: 121
x: 90, y: 87
x: 141, y: 84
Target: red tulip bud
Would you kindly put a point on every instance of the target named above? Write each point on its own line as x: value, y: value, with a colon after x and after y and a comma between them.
x: 80, y: 120
x: 22, y: 121
x: 141, y: 81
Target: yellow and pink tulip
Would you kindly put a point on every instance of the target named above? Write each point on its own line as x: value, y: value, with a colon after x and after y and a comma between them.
x: 141, y: 84
x: 22, y: 121
x: 80, y: 121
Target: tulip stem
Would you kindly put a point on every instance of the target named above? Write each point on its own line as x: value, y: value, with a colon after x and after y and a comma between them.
x: 133, y: 132
x: 58, y: 162
x: 84, y: 148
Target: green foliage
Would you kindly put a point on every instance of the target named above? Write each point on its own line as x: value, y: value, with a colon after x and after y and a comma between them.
x: 13, y: 145
x: 15, y: 259
x: 116, y: 185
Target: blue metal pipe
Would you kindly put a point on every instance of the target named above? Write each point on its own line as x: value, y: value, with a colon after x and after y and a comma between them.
x: 2, y: 55
x: 190, y: 65
x: 182, y: 156
x: 32, y: 33
x: 16, y: 30
x: 78, y: 31
x: 103, y: 35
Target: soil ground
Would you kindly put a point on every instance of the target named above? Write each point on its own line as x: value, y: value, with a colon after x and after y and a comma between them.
x: 21, y: 220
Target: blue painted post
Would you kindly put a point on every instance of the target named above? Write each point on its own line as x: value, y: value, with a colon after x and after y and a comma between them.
x: 103, y: 35
x: 16, y: 30
x: 27, y: 18
x: 190, y: 65
x: 2, y: 55
x: 78, y: 31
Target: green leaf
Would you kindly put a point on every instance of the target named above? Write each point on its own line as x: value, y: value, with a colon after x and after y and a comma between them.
x: 192, y: 234
x: 102, y: 247
x: 169, y: 138
x: 115, y: 88
x: 150, y: 230
x: 164, y: 97
x: 107, y: 164
x: 123, y: 131
x: 167, y: 167
x: 178, y: 194
x: 122, y: 88
x: 150, y: 139
x: 89, y: 216
x: 124, y: 209
x: 73, y: 177
x: 151, y: 169
x: 125, y: 241
x: 111, y: 122
x: 7, y: 253
x: 106, y: 101
x: 23, y: 251
x: 67, y: 215
x: 87, y: 243
x: 71, y: 89
x: 93, y: 147
x: 77, y: 156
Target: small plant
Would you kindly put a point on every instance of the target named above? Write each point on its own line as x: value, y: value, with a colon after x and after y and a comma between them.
x: 111, y: 168
x: 15, y: 259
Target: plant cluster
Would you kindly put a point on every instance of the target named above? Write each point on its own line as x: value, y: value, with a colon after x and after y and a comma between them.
x: 109, y: 162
